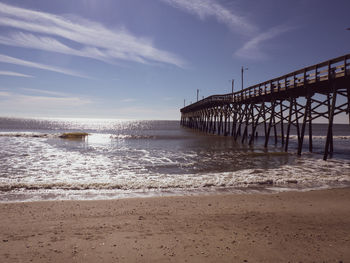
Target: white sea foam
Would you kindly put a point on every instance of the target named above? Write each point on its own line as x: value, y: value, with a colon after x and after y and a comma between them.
x: 307, y: 172
x: 40, y: 165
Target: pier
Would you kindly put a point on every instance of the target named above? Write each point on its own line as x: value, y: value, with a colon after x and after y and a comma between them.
x: 297, y: 99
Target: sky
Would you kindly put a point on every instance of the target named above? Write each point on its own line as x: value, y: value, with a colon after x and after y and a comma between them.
x: 140, y: 59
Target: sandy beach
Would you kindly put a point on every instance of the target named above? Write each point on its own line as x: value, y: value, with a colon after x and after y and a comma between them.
x: 309, y: 226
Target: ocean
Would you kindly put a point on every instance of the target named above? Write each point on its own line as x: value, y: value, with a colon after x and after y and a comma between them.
x: 127, y: 158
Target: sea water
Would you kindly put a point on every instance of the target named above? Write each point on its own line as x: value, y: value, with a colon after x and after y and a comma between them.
x: 127, y: 158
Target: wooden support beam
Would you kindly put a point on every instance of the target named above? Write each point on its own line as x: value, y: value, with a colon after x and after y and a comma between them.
x: 310, y: 128
x: 248, y: 113
x: 330, y: 127
x: 267, y: 136
x: 291, y: 100
x: 253, y: 123
x: 348, y: 96
x: 242, y: 113
x: 306, y: 114
x: 225, y: 125
x: 296, y: 110
x: 214, y: 126
x: 264, y: 117
x: 234, y: 120
x: 281, y: 118
x: 330, y: 112
x: 209, y: 121
x: 256, y: 124
x: 274, y: 127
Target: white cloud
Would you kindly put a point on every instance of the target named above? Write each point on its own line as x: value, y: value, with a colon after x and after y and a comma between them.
x: 211, y: 8
x: 96, y: 41
x: 25, y: 63
x: 14, y: 74
x: 253, y: 48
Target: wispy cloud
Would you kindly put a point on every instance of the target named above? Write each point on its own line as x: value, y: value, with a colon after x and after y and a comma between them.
x: 14, y: 74
x: 39, y: 99
x: 5, y: 94
x: 25, y: 63
x: 252, y: 49
x: 211, y: 8
x: 46, y: 92
x: 49, y: 102
x: 30, y: 102
x: 146, y: 113
x: 95, y: 40
x: 129, y: 100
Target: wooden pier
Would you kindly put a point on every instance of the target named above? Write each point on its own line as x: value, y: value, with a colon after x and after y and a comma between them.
x: 295, y: 99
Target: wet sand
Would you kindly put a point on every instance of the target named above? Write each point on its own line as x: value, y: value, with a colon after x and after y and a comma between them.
x: 285, y: 227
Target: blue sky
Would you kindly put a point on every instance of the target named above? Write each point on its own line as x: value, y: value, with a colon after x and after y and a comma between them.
x: 139, y: 59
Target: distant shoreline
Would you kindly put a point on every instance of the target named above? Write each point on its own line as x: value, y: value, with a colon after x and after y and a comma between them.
x: 116, y: 119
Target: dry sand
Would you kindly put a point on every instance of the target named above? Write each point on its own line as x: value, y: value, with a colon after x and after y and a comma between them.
x: 285, y: 227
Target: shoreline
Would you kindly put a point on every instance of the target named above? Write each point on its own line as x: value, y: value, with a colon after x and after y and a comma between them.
x: 279, y: 227
x: 100, y: 195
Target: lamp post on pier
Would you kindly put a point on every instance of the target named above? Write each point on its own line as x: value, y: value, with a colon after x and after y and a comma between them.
x: 242, y: 72
x: 233, y: 82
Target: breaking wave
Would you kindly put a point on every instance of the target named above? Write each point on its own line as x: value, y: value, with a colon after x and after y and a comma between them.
x: 304, y: 173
